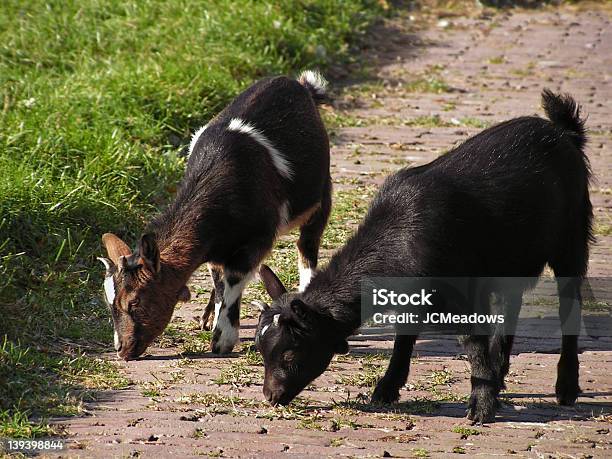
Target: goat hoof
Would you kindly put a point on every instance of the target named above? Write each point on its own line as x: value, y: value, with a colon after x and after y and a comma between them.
x: 567, y: 393
x: 216, y: 348
x: 223, y: 342
x: 482, y: 406
x: 207, y: 324
x: 384, y: 395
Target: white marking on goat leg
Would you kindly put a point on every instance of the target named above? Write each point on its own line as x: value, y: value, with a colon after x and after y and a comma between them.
x: 231, y: 293
x: 229, y: 333
x: 217, y: 312
x: 116, y: 341
x: 280, y: 162
x: 109, y: 289
x: 305, y: 273
x: 195, y: 137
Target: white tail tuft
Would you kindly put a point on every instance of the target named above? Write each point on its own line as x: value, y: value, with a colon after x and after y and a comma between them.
x: 315, y: 83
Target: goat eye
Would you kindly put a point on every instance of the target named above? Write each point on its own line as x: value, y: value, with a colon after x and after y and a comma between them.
x: 288, y: 357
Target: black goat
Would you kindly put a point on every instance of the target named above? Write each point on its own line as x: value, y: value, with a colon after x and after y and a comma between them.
x: 504, y: 203
x: 258, y: 169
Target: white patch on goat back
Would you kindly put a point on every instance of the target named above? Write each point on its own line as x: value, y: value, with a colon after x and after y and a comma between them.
x: 280, y: 162
x: 116, y: 341
x: 315, y: 79
x: 195, y: 137
x: 109, y: 289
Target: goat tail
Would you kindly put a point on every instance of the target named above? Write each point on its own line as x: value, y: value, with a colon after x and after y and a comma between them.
x: 316, y: 85
x: 564, y: 112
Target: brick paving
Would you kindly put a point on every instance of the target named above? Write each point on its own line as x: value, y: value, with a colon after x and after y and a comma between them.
x: 434, y: 85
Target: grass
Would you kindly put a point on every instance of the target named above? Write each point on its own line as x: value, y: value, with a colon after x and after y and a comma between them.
x: 17, y: 425
x: 240, y: 373
x: 310, y: 423
x: 41, y: 384
x: 427, y: 82
x: 97, y: 100
x: 431, y: 84
x: 216, y: 400
x: 187, y: 337
x: 336, y: 442
x: 465, y: 432
x: 497, y: 60
x: 603, y: 225
x: 349, y: 207
x: 367, y: 376
x: 340, y: 119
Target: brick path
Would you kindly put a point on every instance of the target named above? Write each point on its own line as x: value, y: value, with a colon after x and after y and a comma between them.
x: 487, y: 69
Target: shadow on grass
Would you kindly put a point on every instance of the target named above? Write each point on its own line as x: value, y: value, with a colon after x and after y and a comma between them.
x: 37, y: 384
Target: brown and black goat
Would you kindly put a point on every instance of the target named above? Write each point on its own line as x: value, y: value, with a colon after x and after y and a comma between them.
x: 258, y: 169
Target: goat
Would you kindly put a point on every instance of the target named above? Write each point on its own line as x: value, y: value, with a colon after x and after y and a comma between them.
x: 504, y: 203
x: 254, y: 172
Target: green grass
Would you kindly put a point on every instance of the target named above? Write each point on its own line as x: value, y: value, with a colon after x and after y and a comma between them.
x: 187, y: 337
x: 432, y: 84
x: 465, y: 431
x: 239, y: 374
x: 97, y: 100
x: 42, y: 384
x: 17, y: 425
x: 340, y: 119
x: 497, y: 60
x: 367, y: 376
x: 349, y: 208
x: 219, y: 401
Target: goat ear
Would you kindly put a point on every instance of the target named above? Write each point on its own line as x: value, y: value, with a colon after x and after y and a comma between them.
x: 297, y: 314
x: 184, y: 295
x: 108, y: 264
x: 149, y: 251
x: 299, y: 308
x: 341, y: 347
x: 115, y: 247
x: 274, y: 286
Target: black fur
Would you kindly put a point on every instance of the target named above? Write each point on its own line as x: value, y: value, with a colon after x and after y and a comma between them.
x: 504, y: 203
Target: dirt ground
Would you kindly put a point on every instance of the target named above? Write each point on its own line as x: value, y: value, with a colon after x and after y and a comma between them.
x: 434, y: 86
